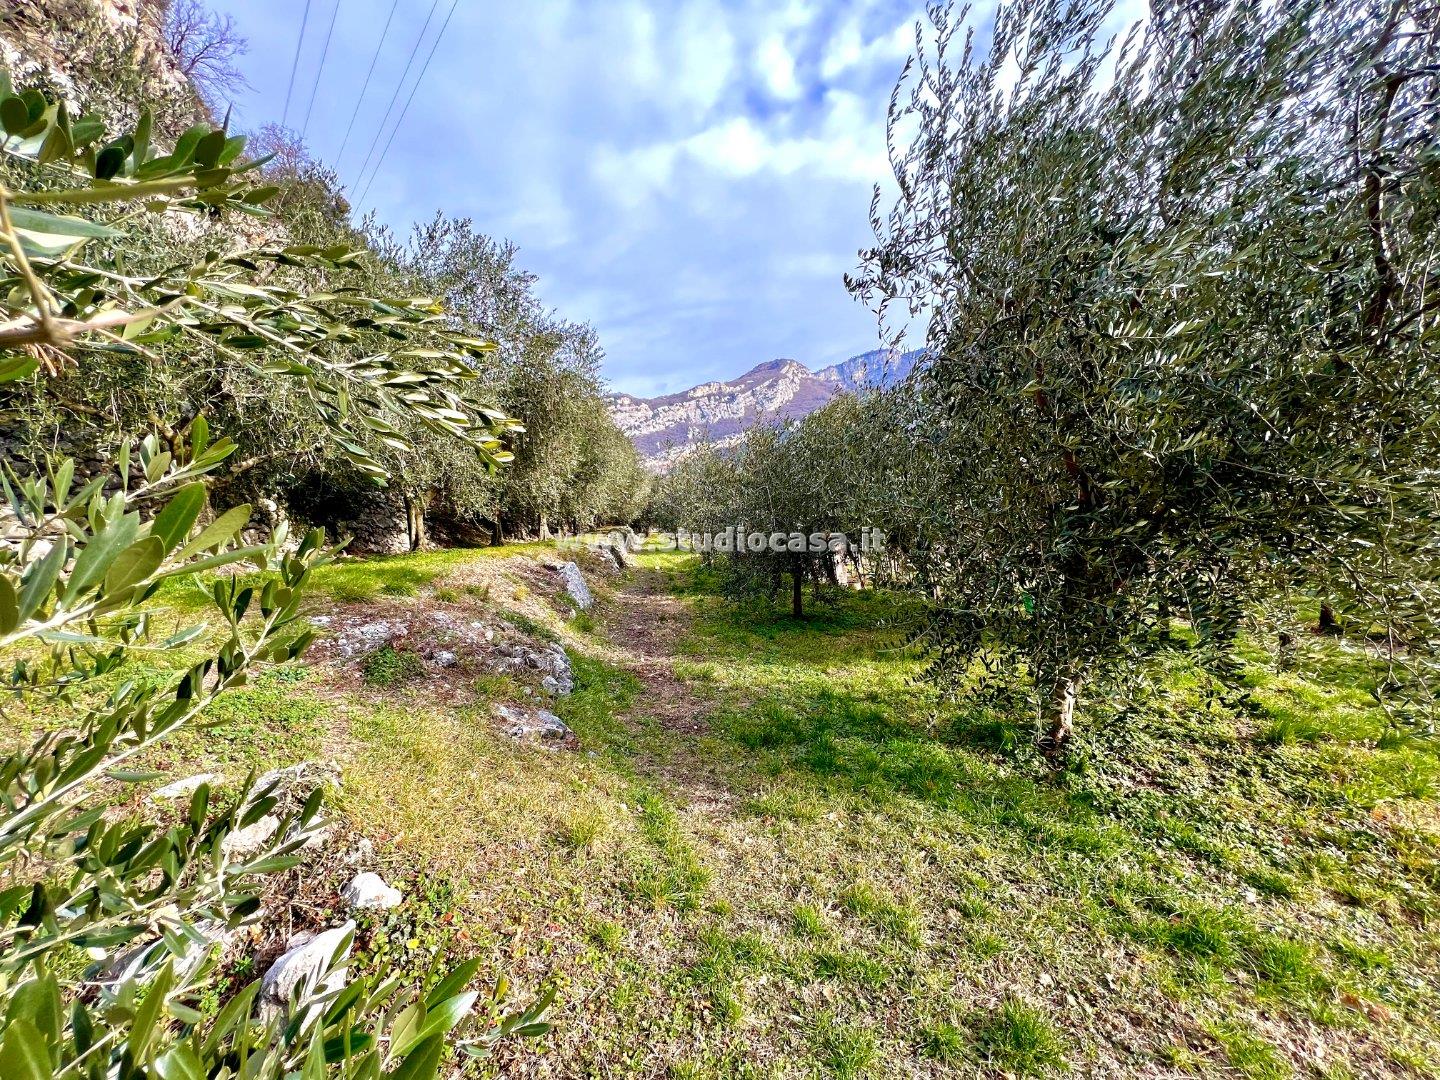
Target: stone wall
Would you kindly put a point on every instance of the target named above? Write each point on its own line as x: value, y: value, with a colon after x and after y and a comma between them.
x: 379, y: 527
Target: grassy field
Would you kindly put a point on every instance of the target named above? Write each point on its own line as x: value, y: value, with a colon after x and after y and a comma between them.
x: 777, y: 854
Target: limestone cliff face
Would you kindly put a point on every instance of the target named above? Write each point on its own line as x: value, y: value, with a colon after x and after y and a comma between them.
x: 664, y: 428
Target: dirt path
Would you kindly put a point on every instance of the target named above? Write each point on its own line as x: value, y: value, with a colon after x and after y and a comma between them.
x: 644, y: 628
x: 644, y: 625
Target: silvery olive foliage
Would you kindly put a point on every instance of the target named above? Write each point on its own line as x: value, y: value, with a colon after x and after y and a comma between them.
x: 794, y: 477
x: 110, y: 926
x: 1179, y: 293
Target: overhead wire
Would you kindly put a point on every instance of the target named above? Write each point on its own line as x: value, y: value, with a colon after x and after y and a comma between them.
x: 365, y: 88
x: 320, y: 70
x: 408, y: 101
x: 295, y: 64
x: 399, y: 86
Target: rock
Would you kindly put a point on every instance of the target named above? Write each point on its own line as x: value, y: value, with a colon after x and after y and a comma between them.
x: 306, y: 966
x: 445, y: 658
x: 561, y: 677
x: 299, y: 780
x: 369, y: 890
x: 364, y: 851
x: 575, y: 585
x: 252, y: 838
x: 365, y: 637
x: 537, y: 725
x: 183, y: 789
x: 551, y: 660
x: 621, y: 554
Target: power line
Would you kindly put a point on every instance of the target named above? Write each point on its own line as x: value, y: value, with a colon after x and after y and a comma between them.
x: 320, y: 71
x: 398, y: 87
x: 379, y: 45
x: 295, y: 64
x: 421, y: 78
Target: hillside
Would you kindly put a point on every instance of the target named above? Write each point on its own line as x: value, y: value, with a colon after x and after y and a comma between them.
x: 756, y: 847
x: 662, y: 428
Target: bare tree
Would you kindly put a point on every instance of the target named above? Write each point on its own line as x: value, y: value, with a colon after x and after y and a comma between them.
x: 206, y: 47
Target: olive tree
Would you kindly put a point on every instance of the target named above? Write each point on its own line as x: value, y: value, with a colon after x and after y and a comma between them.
x: 1180, y: 307
x: 83, y: 887
x: 777, y: 507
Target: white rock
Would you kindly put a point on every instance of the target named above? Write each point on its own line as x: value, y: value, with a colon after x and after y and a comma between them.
x: 306, y: 964
x: 183, y: 789
x: 369, y: 890
x: 252, y: 838
x: 535, y: 724
x: 575, y: 585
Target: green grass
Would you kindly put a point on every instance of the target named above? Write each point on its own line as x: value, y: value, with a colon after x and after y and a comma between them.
x: 389, y: 666
x: 846, y: 1051
x: 1019, y: 1039
x: 837, y: 873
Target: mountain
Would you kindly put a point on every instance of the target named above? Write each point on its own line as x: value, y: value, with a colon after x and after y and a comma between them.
x: 663, y: 428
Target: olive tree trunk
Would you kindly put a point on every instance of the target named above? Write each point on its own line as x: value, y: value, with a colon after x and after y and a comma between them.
x: 1057, y: 718
x: 415, y: 521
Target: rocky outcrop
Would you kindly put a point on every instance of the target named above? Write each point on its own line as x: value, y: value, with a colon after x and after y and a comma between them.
x: 551, y: 661
x: 536, y: 725
x: 306, y: 967
x: 382, y: 526
x: 575, y: 585
x: 250, y: 840
x: 185, y: 787
x: 663, y: 428
x: 443, y: 640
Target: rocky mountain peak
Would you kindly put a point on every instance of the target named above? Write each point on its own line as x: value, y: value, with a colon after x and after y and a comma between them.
x: 663, y: 428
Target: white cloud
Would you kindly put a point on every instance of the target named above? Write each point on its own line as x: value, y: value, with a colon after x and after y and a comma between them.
x: 777, y: 68
x: 704, y: 55
x: 846, y: 143
x: 848, y: 51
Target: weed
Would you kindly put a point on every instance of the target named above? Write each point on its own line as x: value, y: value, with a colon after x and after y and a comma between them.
x: 806, y: 921
x: 389, y: 666
x: 845, y: 1050
x: 850, y: 967
x: 943, y: 1041
x: 899, y: 919
x: 580, y: 831
x: 1017, y: 1037
x: 1251, y: 1056
x: 608, y: 935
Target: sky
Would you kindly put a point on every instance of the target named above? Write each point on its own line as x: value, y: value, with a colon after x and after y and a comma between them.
x: 692, y: 177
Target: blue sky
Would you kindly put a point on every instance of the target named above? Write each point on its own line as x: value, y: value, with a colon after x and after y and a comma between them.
x: 690, y: 176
